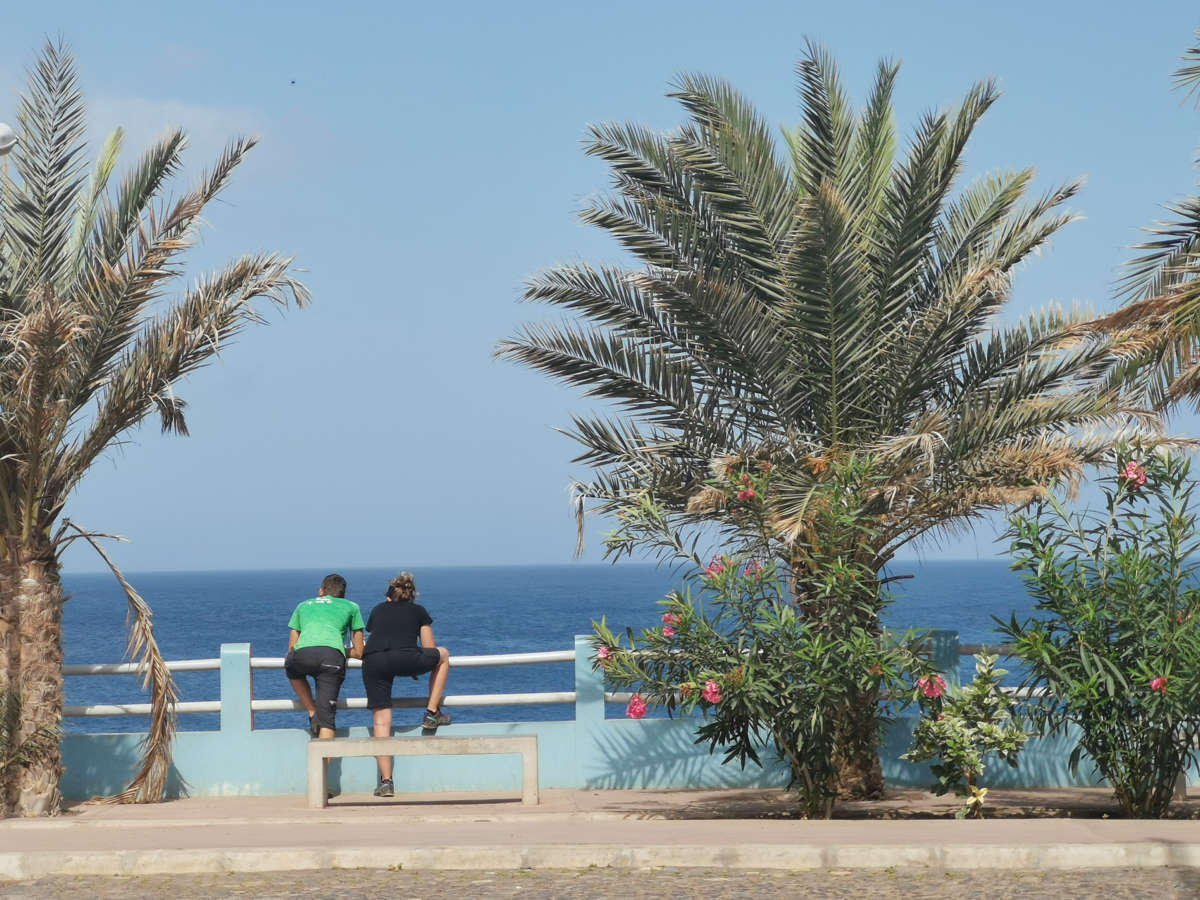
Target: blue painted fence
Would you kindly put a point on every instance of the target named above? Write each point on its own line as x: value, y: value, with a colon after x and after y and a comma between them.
x: 589, y: 752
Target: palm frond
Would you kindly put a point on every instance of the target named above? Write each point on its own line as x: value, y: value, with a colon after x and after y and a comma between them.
x: 1187, y: 76
x: 49, y: 163
x: 819, y: 298
x: 150, y: 781
x: 167, y: 348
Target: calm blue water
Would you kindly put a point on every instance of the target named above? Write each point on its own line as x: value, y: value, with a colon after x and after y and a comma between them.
x: 476, y: 610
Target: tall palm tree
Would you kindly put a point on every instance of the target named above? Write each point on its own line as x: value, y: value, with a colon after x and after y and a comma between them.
x: 1161, y: 287
x: 91, y: 343
x: 812, y: 299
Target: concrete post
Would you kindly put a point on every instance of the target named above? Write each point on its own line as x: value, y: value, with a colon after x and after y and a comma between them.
x: 943, y: 653
x: 237, y: 689
x: 589, y: 686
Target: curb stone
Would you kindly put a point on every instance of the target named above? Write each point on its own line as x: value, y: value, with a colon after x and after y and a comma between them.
x: 799, y: 857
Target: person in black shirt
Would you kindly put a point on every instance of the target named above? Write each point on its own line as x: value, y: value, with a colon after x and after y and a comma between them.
x: 400, y: 642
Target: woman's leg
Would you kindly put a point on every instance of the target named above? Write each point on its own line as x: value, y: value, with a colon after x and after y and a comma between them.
x: 383, y: 728
x: 437, y: 680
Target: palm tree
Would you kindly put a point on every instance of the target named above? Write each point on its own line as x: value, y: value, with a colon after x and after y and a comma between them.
x: 808, y: 301
x: 1161, y: 316
x: 91, y: 343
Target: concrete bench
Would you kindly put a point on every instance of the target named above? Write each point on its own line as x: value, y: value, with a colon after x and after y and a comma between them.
x: 339, y: 748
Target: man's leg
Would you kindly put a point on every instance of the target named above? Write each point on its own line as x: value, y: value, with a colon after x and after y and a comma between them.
x: 304, y: 693
x: 329, y: 680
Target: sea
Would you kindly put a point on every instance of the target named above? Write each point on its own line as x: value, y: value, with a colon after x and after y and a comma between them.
x: 476, y: 610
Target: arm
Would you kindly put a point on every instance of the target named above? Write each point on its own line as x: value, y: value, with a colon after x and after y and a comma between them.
x: 427, y: 636
x: 292, y: 638
x: 356, y: 645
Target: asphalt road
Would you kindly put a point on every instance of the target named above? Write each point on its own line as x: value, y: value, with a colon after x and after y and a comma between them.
x: 657, y: 884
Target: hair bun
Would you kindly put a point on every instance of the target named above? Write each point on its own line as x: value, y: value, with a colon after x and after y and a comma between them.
x: 402, y: 587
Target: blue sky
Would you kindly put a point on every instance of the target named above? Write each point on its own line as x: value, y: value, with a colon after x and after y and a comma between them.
x: 426, y: 161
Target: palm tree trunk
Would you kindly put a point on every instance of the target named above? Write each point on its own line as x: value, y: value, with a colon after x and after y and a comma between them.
x: 37, y: 594
x: 10, y: 662
x: 860, y: 772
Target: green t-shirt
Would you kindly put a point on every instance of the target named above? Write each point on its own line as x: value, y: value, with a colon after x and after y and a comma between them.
x: 324, y: 621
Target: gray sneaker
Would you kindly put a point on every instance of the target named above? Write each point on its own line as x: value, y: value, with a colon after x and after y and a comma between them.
x: 433, y: 720
x: 385, y: 788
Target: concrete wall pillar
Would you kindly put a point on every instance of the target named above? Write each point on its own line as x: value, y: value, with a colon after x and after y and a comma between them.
x: 237, y: 689
x: 589, y: 686
x: 943, y: 653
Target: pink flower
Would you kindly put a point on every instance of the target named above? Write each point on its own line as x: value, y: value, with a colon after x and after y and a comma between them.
x: 636, y: 708
x: 932, y: 687
x: 940, y: 717
x: 1159, y: 684
x: 668, y: 631
x: 669, y: 618
x: 747, y: 494
x: 753, y: 570
x: 1133, y: 475
x: 715, y: 568
x: 604, y: 653
x: 711, y: 692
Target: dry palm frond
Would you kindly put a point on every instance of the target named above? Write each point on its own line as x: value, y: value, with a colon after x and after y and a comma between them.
x: 706, y: 502
x: 150, y: 782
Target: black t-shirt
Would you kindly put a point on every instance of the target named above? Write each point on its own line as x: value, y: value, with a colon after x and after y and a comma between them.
x: 395, y: 626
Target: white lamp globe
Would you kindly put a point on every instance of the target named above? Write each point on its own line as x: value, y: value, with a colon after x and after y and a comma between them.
x: 8, y: 139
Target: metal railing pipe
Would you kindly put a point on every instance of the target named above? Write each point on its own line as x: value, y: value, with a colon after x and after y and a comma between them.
x: 459, y: 662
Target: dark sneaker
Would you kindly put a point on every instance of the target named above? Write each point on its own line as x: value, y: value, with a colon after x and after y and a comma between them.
x: 385, y: 788
x: 433, y: 720
x: 313, y: 728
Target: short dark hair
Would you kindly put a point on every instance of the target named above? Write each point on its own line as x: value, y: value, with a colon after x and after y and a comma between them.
x: 333, y: 586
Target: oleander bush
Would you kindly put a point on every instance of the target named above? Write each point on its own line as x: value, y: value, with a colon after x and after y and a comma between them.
x: 766, y: 662
x: 1114, y: 647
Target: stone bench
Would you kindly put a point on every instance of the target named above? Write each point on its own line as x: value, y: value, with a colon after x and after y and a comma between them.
x: 339, y: 748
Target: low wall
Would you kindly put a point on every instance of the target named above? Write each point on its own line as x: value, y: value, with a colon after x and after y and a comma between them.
x: 589, y: 752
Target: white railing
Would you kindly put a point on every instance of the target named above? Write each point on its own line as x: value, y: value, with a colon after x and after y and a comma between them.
x: 194, y: 707
x: 176, y: 665
x: 288, y: 705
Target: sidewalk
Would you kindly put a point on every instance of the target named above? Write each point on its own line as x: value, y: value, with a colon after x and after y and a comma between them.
x: 740, y: 829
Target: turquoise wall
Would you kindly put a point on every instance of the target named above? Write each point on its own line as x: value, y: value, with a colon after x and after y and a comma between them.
x: 589, y: 752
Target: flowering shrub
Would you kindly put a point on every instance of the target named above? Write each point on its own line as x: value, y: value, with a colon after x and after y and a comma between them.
x: 1115, y: 642
x: 961, y: 728
x: 775, y: 642
x: 740, y: 654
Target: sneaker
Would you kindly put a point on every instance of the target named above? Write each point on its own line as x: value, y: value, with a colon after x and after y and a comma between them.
x: 433, y: 719
x: 313, y: 728
x: 385, y: 788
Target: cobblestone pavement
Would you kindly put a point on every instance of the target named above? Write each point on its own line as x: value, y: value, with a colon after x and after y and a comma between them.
x: 659, y: 884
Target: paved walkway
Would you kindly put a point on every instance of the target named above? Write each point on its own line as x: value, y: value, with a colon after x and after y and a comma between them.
x: 621, y: 831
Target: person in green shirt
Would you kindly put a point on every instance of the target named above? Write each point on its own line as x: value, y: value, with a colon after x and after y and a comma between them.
x: 317, y: 649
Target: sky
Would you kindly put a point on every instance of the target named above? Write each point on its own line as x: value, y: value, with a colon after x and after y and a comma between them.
x: 421, y: 161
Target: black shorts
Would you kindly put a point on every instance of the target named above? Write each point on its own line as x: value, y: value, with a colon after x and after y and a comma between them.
x: 327, y: 667
x: 381, y: 667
